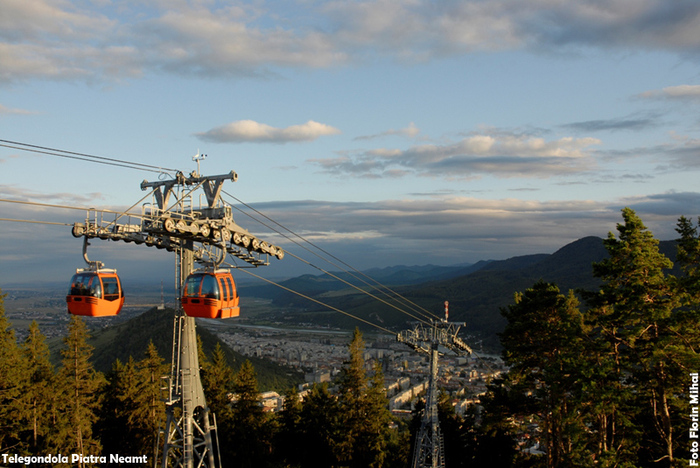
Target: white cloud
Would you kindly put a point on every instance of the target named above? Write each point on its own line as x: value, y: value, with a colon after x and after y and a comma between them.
x: 499, y: 155
x: 96, y: 41
x: 249, y: 131
x: 461, y: 229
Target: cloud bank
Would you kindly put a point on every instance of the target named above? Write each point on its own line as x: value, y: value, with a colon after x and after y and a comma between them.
x: 500, y: 155
x: 433, y: 229
x: 465, y: 229
x: 98, y: 41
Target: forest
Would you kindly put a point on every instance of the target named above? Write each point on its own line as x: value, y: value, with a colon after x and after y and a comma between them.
x: 596, y: 378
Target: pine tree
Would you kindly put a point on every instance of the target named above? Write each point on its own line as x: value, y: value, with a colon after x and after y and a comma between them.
x: 322, y: 429
x: 35, y: 399
x: 543, y: 345
x: 218, y: 383
x: 148, y: 415
x: 635, y: 314
x: 363, y: 405
x: 79, y: 392
x: 684, y: 325
x: 113, y: 426
x: 288, y: 438
x: 12, y: 384
x: 251, y: 436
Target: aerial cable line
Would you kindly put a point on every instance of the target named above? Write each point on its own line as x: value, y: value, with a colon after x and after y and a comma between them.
x: 84, y: 157
x: 150, y: 168
x: 22, y: 202
x: 126, y: 212
x: 397, y: 297
x: 76, y: 157
x: 346, y: 271
x: 357, y: 287
x: 329, y: 273
x: 34, y: 222
x: 321, y: 303
x: 256, y: 276
x: 67, y: 207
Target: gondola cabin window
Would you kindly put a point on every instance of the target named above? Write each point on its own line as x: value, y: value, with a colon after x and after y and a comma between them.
x: 210, y: 288
x: 95, y: 293
x: 210, y: 295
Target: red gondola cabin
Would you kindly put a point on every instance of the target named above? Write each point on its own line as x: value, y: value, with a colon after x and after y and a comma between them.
x: 211, y: 295
x: 95, y: 293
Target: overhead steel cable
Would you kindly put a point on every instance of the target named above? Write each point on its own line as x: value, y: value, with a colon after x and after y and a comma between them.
x: 360, y: 319
x: 35, y: 222
x: 398, y: 297
x: 126, y: 212
x: 329, y: 273
x: 83, y: 156
x: 68, y: 207
x: 357, y: 288
x: 150, y: 168
x: 321, y: 303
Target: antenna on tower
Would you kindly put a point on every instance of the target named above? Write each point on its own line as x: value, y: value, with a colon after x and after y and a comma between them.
x: 199, y: 157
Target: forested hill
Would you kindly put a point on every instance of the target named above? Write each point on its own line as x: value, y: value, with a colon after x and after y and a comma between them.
x: 475, y: 297
x: 131, y: 338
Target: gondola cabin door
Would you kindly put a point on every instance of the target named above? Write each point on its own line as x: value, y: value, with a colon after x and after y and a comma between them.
x: 95, y: 293
x: 211, y: 295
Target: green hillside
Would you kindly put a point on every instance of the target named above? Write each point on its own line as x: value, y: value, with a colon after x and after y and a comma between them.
x: 131, y: 339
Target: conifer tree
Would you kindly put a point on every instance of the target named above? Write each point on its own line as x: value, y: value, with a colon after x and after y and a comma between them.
x: 543, y: 343
x: 288, y: 438
x: 36, y: 394
x: 322, y: 428
x: 79, y: 386
x: 118, y: 403
x: 218, y: 383
x: 12, y: 385
x: 635, y: 313
x: 148, y: 414
x: 684, y: 325
x: 251, y: 436
x: 363, y: 405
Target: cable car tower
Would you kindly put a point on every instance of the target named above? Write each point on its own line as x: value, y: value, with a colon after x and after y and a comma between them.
x: 429, y: 451
x: 206, y: 234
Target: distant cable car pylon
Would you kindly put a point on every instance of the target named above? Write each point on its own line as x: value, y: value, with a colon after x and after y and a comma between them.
x: 429, y: 450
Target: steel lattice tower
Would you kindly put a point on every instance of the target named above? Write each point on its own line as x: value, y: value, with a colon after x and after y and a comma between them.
x: 195, y: 234
x: 188, y: 429
x: 429, y: 451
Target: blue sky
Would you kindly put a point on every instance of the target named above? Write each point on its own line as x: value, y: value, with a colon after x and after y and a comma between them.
x: 388, y: 132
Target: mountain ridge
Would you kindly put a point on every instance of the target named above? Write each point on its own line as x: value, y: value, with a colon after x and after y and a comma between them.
x: 476, y: 297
